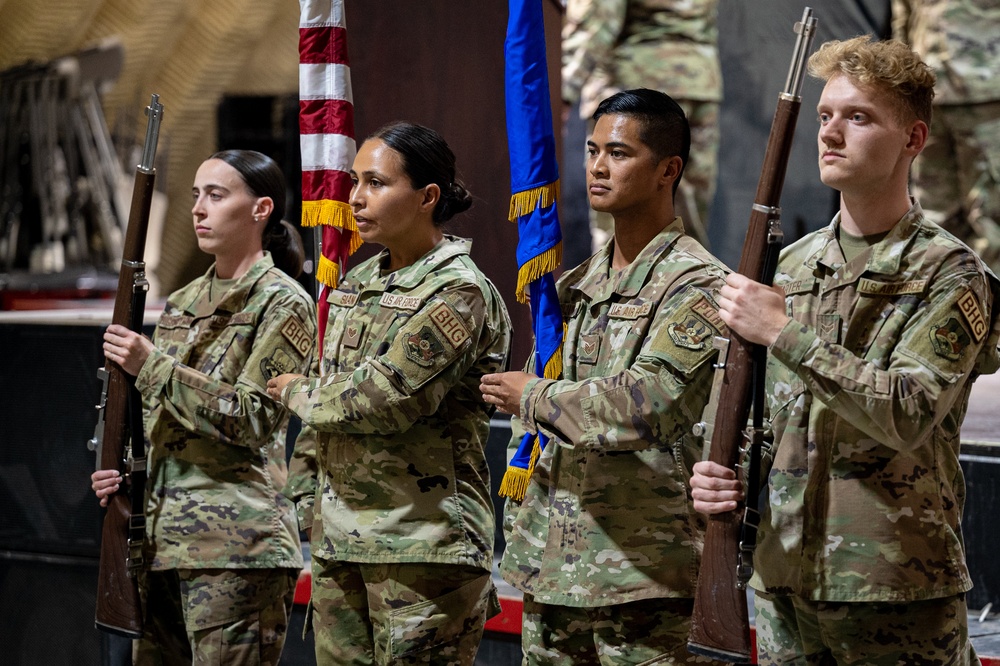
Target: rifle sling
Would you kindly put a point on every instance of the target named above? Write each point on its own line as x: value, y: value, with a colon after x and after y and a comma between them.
x: 137, y: 519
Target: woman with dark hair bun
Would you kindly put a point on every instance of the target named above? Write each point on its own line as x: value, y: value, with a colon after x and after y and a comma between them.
x: 390, y: 469
x: 222, y: 547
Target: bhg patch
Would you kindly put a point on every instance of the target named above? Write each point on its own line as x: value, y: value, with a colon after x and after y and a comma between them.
x: 692, y: 332
x: 949, y: 339
x: 422, y: 346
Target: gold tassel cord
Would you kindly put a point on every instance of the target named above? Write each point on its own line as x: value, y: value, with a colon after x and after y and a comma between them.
x: 536, y: 267
x: 524, y: 202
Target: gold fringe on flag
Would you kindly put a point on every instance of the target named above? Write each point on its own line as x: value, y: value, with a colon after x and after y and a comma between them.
x: 523, y: 203
x: 331, y: 213
x: 515, y: 480
x: 535, y: 268
x: 515, y: 483
x: 327, y: 272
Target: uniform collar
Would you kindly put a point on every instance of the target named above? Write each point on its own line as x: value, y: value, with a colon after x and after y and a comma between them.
x: 198, y: 304
x: 595, y: 282
x: 885, y: 257
x: 414, y: 274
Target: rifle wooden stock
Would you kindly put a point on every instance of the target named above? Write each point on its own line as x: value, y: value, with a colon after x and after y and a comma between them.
x: 118, y: 609
x: 720, y: 624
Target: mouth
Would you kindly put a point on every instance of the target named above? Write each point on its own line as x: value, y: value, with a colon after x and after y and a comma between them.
x: 201, y: 229
x: 598, y: 189
x: 830, y: 155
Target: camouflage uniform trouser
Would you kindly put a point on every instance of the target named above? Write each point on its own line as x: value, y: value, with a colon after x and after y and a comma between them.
x: 214, y: 616
x: 399, y: 613
x: 956, y: 178
x: 697, y: 186
x: 651, y: 631
x: 791, y: 630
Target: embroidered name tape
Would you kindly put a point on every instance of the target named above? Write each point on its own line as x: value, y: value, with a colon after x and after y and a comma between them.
x: 450, y: 324
x: 399, y: 302
x: 342, y: 298
x: 629, y: 310
x: 867, y: 286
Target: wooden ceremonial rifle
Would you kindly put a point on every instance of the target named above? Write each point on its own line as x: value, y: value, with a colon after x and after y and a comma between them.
x: 119, y: 419
x: 720, y: 624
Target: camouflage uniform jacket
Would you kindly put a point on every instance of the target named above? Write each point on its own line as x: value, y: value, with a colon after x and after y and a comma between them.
x: 607, y: 517
x: 392, y: 448
x: 868, y: 385
x: 614, y: 45
x: 216, y: 456
x: 959, y: 40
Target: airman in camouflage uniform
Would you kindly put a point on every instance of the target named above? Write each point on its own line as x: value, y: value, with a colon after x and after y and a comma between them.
x: 392, y: 461
x: 390, y: 469
x: 222, y: 550
x: 877, y: 327
x: 957, y: 177
x: 605, y: 544
x: 216, y: 519
x: 666, y: 45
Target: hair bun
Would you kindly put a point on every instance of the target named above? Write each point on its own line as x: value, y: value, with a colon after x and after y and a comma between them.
x: 455, y: 199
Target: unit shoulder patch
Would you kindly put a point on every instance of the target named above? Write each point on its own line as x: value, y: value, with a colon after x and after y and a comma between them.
x: 692, y: 332
x: 422, y: 346
x: 949, y: 339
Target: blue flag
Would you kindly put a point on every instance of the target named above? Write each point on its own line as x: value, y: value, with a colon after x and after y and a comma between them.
x: 534, y: 186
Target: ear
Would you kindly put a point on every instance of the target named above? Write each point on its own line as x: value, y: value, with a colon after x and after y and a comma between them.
x: 670, y: 170
x: 918, y: 137
x: 263, y: 208
x: 430, y: 198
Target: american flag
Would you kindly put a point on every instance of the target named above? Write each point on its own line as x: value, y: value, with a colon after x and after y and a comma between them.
x: 326, y: 128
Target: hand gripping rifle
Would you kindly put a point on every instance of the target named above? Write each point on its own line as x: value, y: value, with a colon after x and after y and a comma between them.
x: 720, y: 625
x: 120, y: 419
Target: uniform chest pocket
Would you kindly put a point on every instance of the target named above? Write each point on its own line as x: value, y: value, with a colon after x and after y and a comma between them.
x: 226, y: 356
x: 879, y: 323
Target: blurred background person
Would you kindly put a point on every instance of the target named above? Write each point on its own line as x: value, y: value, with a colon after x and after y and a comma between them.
x: 667, y: 45
x: 957, y: 177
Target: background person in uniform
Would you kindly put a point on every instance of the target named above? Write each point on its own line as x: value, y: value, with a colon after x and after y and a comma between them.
x: 390, y: 469
x: 605, y: 544
x: 877, y: 326
x: 222, y: 549
x: 668, y: 45
x: 957, y: 176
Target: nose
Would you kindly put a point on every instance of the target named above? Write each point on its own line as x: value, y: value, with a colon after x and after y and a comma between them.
x: 354, y: 199
x: 198, y: 210
x: 830, y: 133
x: 597, y: 164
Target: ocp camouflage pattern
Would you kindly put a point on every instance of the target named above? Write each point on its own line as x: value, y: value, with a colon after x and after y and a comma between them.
x: 216, y: 441
x: 867, y: 388
x: 607, y: 517
x: 390, y: 465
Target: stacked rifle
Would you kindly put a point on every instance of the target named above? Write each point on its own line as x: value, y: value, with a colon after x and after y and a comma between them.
x: 59, y: 172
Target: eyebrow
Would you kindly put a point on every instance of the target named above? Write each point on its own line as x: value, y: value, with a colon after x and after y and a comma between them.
x: 209, y: 187
x: 610, y: 144
x: 370, y: 173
